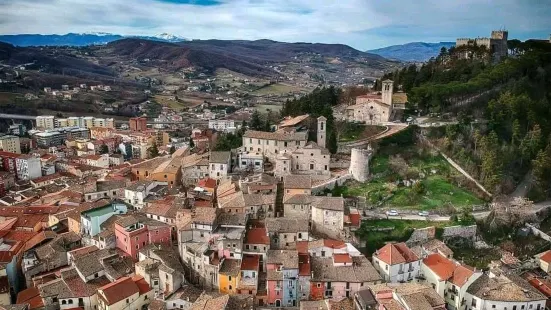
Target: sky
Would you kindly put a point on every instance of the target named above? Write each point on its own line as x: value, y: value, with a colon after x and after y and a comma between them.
x: 363, y: 24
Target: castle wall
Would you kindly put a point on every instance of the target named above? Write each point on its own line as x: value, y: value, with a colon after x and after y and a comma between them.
x: 359, y: 164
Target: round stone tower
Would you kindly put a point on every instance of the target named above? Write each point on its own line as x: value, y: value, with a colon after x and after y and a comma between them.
x: 359, y: 164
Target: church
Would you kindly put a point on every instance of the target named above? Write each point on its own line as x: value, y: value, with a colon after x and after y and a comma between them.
x: 375, y: 109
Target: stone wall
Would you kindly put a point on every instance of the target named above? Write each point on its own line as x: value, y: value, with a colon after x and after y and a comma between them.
x: 330, y: 184
x: 467, y: 232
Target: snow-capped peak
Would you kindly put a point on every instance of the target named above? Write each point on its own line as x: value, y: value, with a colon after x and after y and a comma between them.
x: 168, y: 37
x: 97, y: 33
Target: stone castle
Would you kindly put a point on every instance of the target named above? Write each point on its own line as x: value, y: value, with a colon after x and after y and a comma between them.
x: 496, y: 44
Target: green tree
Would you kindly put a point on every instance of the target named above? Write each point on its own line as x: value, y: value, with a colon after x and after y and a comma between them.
x: 103, y: 149
x: 191, y: 143
x: 256, y: 121
x: 153, y: 151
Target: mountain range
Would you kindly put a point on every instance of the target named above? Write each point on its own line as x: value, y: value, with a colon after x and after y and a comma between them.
x: 412, y: 52
x: 78, y: 39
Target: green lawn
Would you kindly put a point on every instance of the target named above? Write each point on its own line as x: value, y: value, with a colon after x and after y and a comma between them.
x: 276, y: 89
x: 435, y: 191
x: 402, y: 230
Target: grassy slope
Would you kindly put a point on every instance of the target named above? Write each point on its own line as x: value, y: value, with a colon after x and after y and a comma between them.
x: 439, y: 191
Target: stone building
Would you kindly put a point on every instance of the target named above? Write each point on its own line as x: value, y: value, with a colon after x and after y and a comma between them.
x: 496, y: 44
x: 373, y: 109
x: 359, y: 164
x: 311, y: 159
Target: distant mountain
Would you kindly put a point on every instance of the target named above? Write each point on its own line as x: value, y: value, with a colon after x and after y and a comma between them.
x: 78, y: 39
x: 415, y: 51
x: 247, y: 57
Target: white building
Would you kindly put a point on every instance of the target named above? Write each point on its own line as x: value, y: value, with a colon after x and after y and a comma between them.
x: 136, y: 193
x: 311, y: 159
x: 28, y: 167
x: 45, y: 121
x: 500, y: 291
x: 396, y: 263
x: 10, y: 143
x: 219, y: 164
x: 328, y: 216
x: 449, y: 278
x: 270, y: 144
x: 224, y: 125
x: 250, y: 161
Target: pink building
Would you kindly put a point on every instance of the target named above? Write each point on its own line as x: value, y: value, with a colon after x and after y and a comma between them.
x: 135, y: 231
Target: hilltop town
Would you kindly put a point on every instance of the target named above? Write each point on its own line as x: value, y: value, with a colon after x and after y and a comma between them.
x: 385, y: 194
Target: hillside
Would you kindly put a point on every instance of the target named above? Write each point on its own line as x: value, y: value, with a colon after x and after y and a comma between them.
x: 501, y: 111
x: 51, y: 62
x: 247, y: 57
x: 413, y: 52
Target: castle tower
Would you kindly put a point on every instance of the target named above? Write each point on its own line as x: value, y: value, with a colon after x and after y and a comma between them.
x: 388, y: 87
x: 322, y: 124
x: 359, y: 164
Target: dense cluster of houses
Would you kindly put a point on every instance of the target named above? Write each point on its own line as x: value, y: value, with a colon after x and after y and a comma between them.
x: 97, y: 222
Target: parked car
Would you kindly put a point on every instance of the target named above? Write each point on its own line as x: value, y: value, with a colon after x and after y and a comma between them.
x: 424, y: 213
x: 392, y: 213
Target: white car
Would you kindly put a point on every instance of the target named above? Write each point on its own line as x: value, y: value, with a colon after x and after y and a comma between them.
x: 392, y: 213
x: 424, y: 213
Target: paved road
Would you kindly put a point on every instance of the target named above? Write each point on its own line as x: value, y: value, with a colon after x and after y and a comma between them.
x: 416, y: 217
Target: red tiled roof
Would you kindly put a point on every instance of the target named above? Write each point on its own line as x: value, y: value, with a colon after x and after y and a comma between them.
x: 30, y: 296
x: 202, y: 203
x: 546, y: 257
x: 304, y: 264
x: 302, y: 247
x: 143, y: 286
x: 342, y: 259
x: 119, y: 290
x: 447, y: 270
x: 47, y: 178
x: 334, y: 244
x: 542, y: 285
x: 20, y: 235
x: 396, y: 253
x: 207, y: 183
x: 250, y: 262
x: 29, y: 220
x: 257, y: 236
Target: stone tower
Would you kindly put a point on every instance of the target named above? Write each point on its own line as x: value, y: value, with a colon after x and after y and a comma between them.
x: 359, y: 164
x: 388, y: 87
x: 322, y: 124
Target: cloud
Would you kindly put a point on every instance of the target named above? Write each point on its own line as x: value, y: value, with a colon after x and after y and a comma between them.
x: 360, y: 23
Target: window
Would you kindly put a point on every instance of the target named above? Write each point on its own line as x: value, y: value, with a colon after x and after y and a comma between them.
x: 325, y: 167
x: 63, y: 302
x: 319, y: 285
x: 165, y: 176
x: 322, y: 253
x: 246, y: 246
x: 311, y: 166
x: 127, y: 301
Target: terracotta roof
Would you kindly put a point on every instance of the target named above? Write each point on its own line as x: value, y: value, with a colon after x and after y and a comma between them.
x: 329, y: 243
x: 292, y: 121
x: 230, y: 267
x: 448, y: 270
x: 257, y: 236
x: 342, y: 259
x: 207, y: 183
x: 30, y: 296
x: 297, y: 182
x: 119, y: 290
x: 279, y: 135
x: 287, y: 258
x: 250, y: 262
x: 504, y: 288
x: 546, y: 257
x: 304, y: 264
x: 396, y: 253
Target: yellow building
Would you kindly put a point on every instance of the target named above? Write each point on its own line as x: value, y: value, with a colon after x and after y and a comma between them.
x: 9, y: 143
x: 228, y: 276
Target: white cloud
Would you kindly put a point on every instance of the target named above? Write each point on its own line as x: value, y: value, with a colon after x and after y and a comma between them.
x: 360, y: 23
